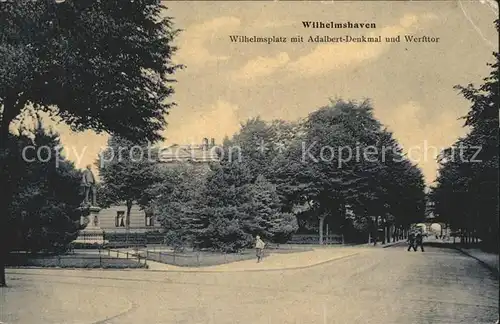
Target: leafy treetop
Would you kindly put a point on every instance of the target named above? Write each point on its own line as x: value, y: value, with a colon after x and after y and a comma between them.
x: 100, y: 65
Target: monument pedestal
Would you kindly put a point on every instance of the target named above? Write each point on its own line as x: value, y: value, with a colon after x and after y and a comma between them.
x: 92, y: 233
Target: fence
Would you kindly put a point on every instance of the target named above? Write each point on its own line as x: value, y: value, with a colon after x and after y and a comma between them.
x: 135, y: 238
x: 127, y: 255
x: 314, y: 239
x: 90, y: 259
x: 197, y: 258
x: 118, y: 240
x: 147, y: 238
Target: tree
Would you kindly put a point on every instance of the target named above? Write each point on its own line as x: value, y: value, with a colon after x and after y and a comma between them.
x: 400, y: 185
x: 88, y: 62
x: 127, y: 171
x: 391, y: 186
x: 218, y: 222
x: 233, y: 202
x: 450, y: 194
x: 333, y: 134
x: 176, y: 200
x: 283, y: 226
x: 294, y: 182
x: 343, y: 157
x: 43, y: 210
x: 466, y: 193
x: 259, y: 142
x: 254, y: 142
x: 483, y: 115
x: 261, y: 208
x: 263, y: 214
x: 221, y: 211
x: 92, y: 64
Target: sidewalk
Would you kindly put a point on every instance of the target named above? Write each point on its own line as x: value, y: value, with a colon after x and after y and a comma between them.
x: 274, y: 262
x: 489, y: 260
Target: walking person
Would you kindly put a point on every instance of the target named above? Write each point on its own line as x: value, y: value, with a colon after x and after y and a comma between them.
x: 411, y: 241
x: 419, y: 241
x: 259, y: 248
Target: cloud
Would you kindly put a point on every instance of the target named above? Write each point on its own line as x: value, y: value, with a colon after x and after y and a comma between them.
x: 214, y: 121
x: 192, y: 50
x: 421, y: 139
x: 325, y: 58
x: 261, y: 66
x: 333, y: 56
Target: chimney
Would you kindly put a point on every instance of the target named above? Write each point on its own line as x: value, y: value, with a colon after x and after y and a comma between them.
x: 205, y: 142
x: 212, y: 142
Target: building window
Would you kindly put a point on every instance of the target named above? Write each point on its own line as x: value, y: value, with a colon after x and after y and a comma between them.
x: 120, y: 219
x: 149, y: 219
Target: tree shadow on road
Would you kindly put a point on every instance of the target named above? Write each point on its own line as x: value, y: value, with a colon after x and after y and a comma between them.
x: 442, y: 245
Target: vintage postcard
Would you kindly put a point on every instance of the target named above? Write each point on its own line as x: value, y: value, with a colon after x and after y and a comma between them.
x: 249, y: 162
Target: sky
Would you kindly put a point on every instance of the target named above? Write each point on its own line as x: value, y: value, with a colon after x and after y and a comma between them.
x: 410, y: 85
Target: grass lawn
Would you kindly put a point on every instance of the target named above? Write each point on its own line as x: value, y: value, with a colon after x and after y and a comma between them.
x: 76, y: 260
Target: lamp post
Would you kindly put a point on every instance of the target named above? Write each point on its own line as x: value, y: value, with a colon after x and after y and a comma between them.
x: 384, y: 222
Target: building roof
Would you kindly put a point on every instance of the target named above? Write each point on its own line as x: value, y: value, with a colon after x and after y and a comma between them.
x: 189, y: 153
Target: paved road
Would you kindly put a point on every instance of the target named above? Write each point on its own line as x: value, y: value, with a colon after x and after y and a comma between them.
x: 379, y: 286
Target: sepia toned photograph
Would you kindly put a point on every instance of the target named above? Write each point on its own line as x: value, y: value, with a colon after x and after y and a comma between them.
x: 244, y: 162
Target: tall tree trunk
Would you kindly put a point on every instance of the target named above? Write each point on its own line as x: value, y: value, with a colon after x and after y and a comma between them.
x: 321, y: 225
x: 4, y: 202
x: 12, y: 105
x: 129, y: 208
x: 127, y: 219
x: 3, y: 258
x: 3, y: 281
x: 384, y: 240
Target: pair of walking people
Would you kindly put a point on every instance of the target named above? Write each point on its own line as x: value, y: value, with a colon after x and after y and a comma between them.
x: 415, y: 239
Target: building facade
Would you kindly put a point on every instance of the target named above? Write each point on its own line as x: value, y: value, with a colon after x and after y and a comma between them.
x: 114, y: 220
x: 199, y: 157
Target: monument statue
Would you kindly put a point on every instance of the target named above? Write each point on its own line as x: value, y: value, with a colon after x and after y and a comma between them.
x: 89, y: 183
x: 91, y: 233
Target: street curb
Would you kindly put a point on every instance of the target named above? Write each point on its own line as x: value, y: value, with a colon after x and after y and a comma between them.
x: 391, y: 244
x: 382, y: 246
x: 256, y: 270
x: 484, y: 264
